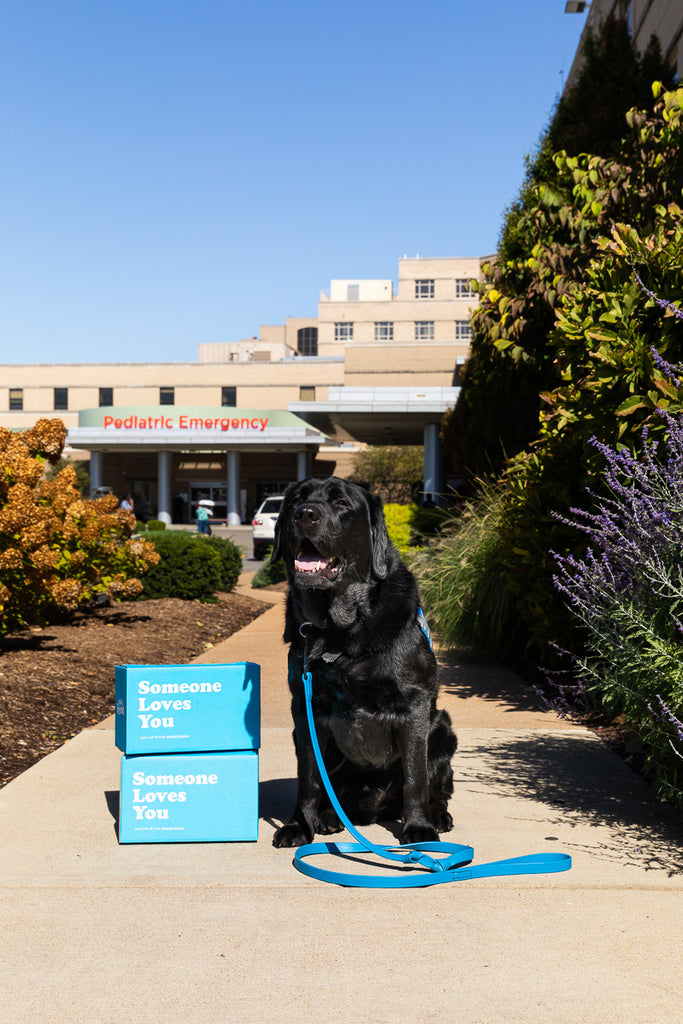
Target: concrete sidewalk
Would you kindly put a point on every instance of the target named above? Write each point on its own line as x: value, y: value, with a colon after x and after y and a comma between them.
x: 98, y: 933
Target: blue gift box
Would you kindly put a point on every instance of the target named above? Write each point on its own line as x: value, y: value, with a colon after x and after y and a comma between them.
x: 187, y: 708
x: 189, y: 798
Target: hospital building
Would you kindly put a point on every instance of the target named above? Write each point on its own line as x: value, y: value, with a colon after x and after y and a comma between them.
x: 378, y: 365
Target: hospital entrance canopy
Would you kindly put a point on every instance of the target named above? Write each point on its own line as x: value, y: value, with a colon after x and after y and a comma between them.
x: 164, y: 429
x: 178, y: 428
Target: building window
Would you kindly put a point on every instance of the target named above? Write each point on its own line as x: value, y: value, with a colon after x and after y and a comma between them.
x: 352, y: 292
x: 343, y: 332
x: 457, y: 376
x: 384, y: 331
x: 106, y: 396
x: 463, y: 330
x: 61, y: 398
x: 424, y: 289
x: 307, y: 341
x: 306, y: 394
x: 463, y: 288
x: 424, y: 330
x: 229, y: 396
x: 166, y: 396
x: 16, y: 399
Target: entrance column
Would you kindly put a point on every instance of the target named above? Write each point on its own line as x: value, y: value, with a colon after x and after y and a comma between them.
x: 433, y: 464
x: 164, y: 487
x: 303, y: 465
x: 96, y: 460
x: 234, y: 518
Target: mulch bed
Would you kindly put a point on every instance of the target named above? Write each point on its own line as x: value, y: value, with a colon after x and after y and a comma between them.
x: 57, y: 681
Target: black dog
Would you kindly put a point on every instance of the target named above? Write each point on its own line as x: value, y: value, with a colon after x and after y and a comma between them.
x: 352, y: 618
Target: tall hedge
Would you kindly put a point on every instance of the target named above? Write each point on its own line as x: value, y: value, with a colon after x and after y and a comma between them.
x: 606, y: 260
x: 609, y: 335
x: 547, y: 242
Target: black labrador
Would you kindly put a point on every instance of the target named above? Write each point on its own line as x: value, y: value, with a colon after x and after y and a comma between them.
x: 353, y: 620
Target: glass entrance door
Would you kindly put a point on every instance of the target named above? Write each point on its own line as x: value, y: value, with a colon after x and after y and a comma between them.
x: 217, y: 493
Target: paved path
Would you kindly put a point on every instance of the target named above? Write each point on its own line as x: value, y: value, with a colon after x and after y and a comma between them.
x: 99, y: 933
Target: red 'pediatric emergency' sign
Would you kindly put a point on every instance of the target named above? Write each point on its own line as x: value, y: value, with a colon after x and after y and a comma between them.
x: 253, y: 423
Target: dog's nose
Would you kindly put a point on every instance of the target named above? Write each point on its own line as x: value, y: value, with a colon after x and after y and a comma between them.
x: 307, y: 515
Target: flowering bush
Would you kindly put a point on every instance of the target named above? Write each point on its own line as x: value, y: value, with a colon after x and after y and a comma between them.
x: 626, y: 592
x: 58, y: 550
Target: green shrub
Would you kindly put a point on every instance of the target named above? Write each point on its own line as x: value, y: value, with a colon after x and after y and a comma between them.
x: 462, y: 581
x: 269, y: 573
x: 230, y: 560
x: 140, y: 527
x: 189, y: 568
x: 156, y: 524
x: 426, y: 522
x: 400, y: 526
x: 409, y: 526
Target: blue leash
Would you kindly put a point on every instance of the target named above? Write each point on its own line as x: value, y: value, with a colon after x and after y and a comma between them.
x: 448, y: 868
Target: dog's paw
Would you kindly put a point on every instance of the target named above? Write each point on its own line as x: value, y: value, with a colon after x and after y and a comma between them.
x: 419, y: 834
x: 290, y: 835
x: 443, y: 822
x: 329, y: 823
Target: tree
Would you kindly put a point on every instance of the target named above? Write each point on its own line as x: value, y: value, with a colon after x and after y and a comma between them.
x: 605, y: 348
x: 547, y: 241
x: 392, y: 471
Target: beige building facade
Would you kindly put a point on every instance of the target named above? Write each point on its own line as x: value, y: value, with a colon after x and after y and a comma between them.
x: 377, y: 364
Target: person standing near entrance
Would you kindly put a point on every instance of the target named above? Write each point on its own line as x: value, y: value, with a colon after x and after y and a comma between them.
x: 203, y: 515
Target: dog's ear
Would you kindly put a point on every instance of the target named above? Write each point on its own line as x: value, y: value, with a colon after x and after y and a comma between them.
x: 379, y: 537
x: 278, y: 540
x: 276, y: 553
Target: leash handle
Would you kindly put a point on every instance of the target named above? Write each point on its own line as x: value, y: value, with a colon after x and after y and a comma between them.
x: 449, y: 868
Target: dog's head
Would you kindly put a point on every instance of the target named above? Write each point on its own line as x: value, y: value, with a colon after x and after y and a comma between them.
x: 331, y: 531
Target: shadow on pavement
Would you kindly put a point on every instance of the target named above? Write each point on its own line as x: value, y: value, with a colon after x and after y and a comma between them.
x: 488, y: 682
x: 581, y: 782
x: 277, y: 798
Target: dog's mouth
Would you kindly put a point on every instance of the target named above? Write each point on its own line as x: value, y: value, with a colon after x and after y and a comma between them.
x: 310, y: 563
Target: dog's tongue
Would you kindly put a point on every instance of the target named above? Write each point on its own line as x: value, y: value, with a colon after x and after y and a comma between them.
x: 307, y: 564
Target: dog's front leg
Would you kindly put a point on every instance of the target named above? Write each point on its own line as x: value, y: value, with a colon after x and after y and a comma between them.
x: 305, y: 819
x: 412, y: 741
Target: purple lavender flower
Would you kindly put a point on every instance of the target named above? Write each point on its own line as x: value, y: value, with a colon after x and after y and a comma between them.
x: 626, y: 593
x: 662, y: 303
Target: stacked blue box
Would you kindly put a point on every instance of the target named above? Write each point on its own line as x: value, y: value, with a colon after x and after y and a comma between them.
x: 190, y: 736
x: 189, y: 798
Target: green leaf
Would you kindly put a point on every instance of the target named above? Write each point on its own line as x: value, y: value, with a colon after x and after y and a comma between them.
x: 666, y: 387
x: 600, y: 334
x: 630, y: 405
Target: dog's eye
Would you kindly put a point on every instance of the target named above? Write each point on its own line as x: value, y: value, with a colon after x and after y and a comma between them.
x: 343, y: 503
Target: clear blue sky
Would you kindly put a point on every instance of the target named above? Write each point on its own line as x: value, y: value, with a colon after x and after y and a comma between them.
x: 183, y: 171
